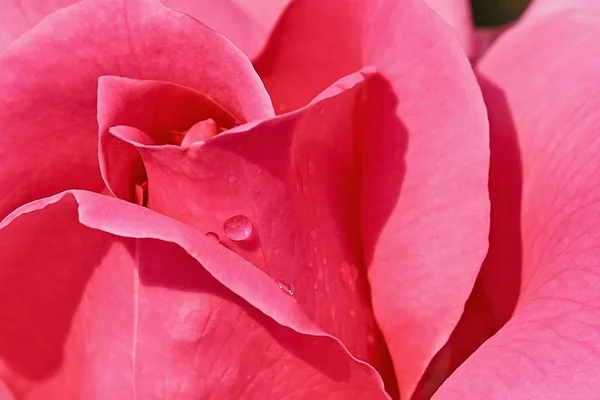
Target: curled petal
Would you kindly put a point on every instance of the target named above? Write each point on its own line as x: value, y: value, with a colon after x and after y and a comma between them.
x: 542, y: 272
x: 48, y: 109
x: 424, y: 157
x: 293, y: 180
x: 185, y: 317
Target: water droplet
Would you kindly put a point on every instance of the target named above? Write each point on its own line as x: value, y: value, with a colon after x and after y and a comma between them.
x: 321, y: 110
x: 352, y: 313
x: 313, y: 234
x: 324, y: 260
x: 232, y: 178
x: 315, y: 249
x: 311, y: 167
x: 286, y: 287
x: 259, y: 171
x: 310, y: 264
x: 213, y: 236
x: 238, y: 228
x: 328, y: 288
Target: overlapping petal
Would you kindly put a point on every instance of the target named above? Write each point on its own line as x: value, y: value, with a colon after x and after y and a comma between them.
x: 49, y: 78
x: 295, y: 178
x: 247, y: 23
x: 542, y: 271
x: 224, y: 327
x: 457, y: 14
x: 18, y: 16
x: 424, y: 162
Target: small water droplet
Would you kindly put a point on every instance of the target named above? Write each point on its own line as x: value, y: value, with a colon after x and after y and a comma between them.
x: 352, y: 313
x: 238, y: 228
x: 313, y: 234
x: 321, y: 110
x: 232, y: 178
x: 324, y: 260
x: 259, y: 171
x: 286, y: 287
x: 213, y: 236
x: 315, y: 249
x: 327, y: 288
x: 320, y: 273
x: 311, y: 167
x: 310, y: 264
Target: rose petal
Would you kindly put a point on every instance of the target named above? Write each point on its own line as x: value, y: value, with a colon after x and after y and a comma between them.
x: 457, y: 14
x: 18, y: 16
x: 543, y: 261
x: 247, y: 23
x: 49, y: 77
x: 141, y: 305
x: 541, y: 8
x: 158, y: 108
x: 294, y: 179
x: 485, y: 37
x: 425, y: 161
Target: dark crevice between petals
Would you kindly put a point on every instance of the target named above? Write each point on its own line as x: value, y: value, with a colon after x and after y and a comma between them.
x: 151, y: 113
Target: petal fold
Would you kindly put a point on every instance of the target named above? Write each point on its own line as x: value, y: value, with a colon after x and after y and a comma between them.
x: 185, y: 317
x: 295, y: 179
x: 457, y: 14
x: 49, y: 80
x: 542, y: 272
x: 425, y: 156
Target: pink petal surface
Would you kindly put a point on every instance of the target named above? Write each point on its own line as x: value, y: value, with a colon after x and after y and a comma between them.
x: 542, y: 8
x: 188, y: 318
x: 18, y: 16
x: 485, y: 37
x: 247, y: 23
x: 158, y: 108
x: 457, y: 14
x: 424, y: 162
x: 293, y: 179
x: 49, y: 78
x: 542, y: 270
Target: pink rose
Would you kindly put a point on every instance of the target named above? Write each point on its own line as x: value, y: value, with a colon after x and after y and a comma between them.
x: 296, y: 204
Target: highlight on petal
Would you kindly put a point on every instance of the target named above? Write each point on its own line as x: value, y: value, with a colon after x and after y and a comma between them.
x: 424, y: 160
x: 18, y: 16
x: 49, y: 79
x: 141, y: 305
x: 290, y: 186
x: 544, y: 248
x: 247, y: 23
x: 457, y: 14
